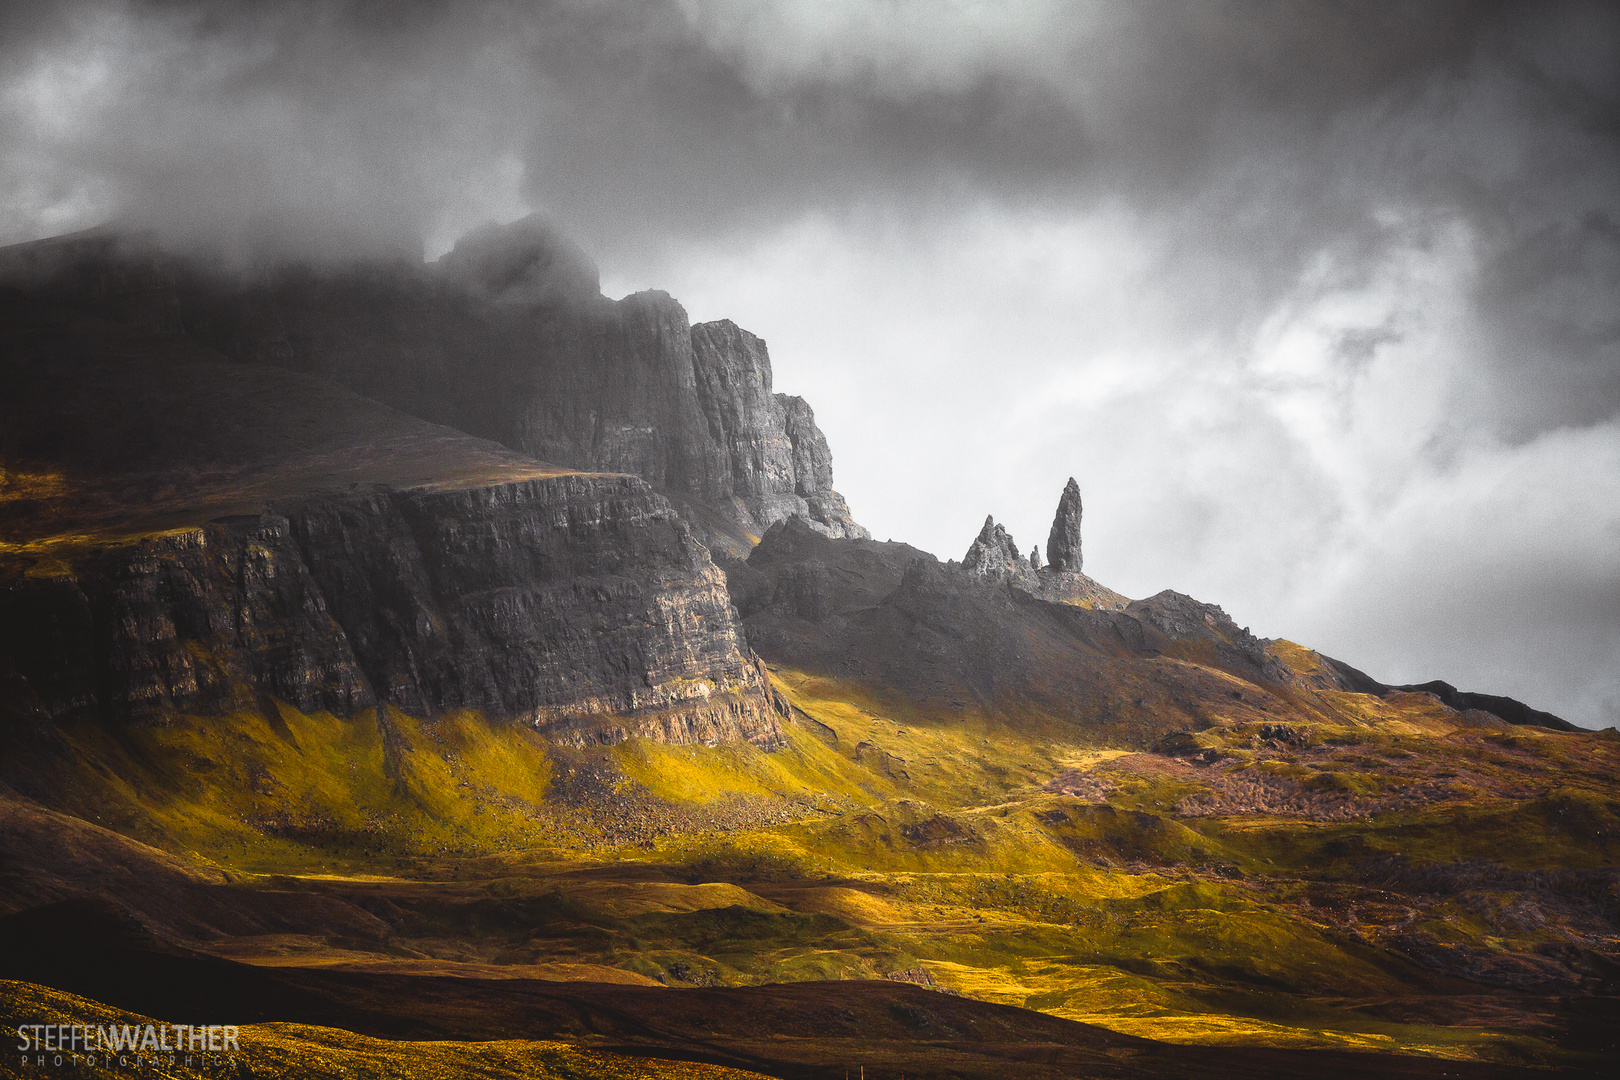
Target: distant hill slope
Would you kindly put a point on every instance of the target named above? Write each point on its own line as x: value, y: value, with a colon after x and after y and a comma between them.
x: 1505, y: 708
x: 944, y: 641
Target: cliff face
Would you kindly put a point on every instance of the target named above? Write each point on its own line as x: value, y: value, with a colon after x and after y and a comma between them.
x: 183, y: 535
x: 774, y: 460
x: 579, y: 604
x: 506, y: 338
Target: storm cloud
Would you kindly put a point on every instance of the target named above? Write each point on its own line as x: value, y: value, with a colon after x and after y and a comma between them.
x: 1319, y: 301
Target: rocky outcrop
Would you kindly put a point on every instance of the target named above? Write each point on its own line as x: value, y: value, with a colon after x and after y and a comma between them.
x: 1063, y: 542
x: 994, y: 557
x: 773, y: 462
x: 1182, y: 618
x: 579, y: 604
x: 506, y: 338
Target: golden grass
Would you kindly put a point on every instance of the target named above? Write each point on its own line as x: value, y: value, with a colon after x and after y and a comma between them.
x: 318, y: 793
x: 915, y: 840
x: 274, y: 1051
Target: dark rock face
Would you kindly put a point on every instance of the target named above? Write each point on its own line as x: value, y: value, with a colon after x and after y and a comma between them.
x: 952, y: 642
x: 203, y: 536
x: 812, y: 460
x: 506, y: 338
x: 773, y: 462
x: 994, y: 556
x: 745, y: 421
x: 1063, y: 543
x: 579, y: 604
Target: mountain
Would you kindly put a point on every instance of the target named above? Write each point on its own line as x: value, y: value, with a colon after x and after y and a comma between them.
x: 506, y: 338
x: 434, y: 668
x: 183, y: 535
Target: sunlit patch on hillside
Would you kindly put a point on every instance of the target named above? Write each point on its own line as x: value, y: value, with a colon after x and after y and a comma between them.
x: 275, y: 1051
x: 1252, y: 881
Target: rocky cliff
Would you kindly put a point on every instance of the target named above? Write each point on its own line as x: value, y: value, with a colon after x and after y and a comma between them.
x: 506, y: 338
x: 774, y: 461
x: 181, y: 535
x: 579, y: 604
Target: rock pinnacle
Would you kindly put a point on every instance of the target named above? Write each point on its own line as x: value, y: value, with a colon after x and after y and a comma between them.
x: 1063, y: 545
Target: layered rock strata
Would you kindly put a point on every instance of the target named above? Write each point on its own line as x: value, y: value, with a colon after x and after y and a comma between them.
x: 579, y: 604
x: 507, y: 338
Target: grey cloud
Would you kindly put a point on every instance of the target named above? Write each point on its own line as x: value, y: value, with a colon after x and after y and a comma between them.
x: 1273, y: 154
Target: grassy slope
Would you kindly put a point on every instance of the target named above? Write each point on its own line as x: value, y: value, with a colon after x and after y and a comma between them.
x: 297, y: 1050
x: 880, y: 841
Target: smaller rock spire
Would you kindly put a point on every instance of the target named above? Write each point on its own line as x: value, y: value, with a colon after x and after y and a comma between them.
x: 1035, y: 557
x: 994, y: 554
x: 1063, y: 545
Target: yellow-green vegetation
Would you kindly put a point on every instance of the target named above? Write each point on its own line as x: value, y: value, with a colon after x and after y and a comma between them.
x: 290, y: 791
x: 1261, y: 881
x: 806, y: 770
x: 296, y: 1050
x: 953, y: 760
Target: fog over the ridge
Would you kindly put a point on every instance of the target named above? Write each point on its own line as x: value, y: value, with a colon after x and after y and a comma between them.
x: 1320, y: 302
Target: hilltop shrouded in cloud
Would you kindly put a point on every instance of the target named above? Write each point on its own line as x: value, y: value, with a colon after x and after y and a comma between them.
x: 1320, y: 302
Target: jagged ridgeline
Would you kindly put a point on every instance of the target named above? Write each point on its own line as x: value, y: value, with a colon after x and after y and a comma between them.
x: 455, y: 620
x: 506, y: 338
x: 189, y: 529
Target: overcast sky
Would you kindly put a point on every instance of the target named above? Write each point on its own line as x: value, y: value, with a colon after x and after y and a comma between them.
x: 1319, y: 302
